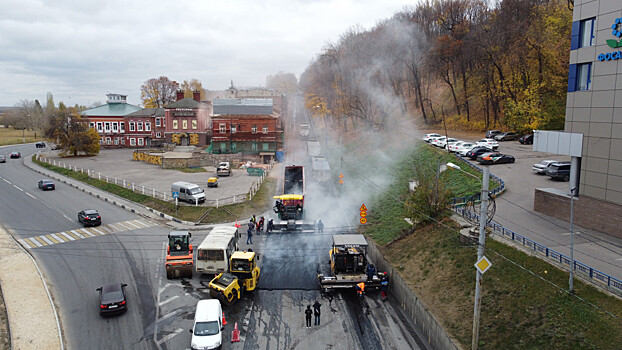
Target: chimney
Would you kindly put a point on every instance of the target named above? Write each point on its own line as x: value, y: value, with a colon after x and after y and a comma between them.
x: 180, y: 95
x: 196, y: 95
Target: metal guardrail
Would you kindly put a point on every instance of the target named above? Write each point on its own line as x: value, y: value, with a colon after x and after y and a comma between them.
x: 240, y: 198
x: 596, y: 277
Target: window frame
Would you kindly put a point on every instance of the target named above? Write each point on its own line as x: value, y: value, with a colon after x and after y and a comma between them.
x: 584, y: 85
x: 583, y: 32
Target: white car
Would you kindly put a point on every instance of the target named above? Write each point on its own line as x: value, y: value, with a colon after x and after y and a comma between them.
x: 428, y: 137
x: 490, y: 143
x: 453, y: 146
x: 445, y: 142
x: 464, y: 148
x: 435, y: 141
x: 540, y: 168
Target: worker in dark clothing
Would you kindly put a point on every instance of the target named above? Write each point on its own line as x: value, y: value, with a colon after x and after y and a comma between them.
x: 371, y: 271
x: 384, y: 286
x: 320, y: 226
x: 270, y: 226
x: 360, y: 289
x: 249, y: 236
x: 251, y: 225
x: 261, y: 223
x: 308, y: 314
x: 316, y: 312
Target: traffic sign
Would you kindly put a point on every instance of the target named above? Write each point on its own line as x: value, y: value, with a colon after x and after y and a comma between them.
x: 341, y: 176
x: 175, y: 194
x: 363, y: 208
x: 363, y: 220
x: 341, y: 181
x: 363, y: 214
x: 483, y: 265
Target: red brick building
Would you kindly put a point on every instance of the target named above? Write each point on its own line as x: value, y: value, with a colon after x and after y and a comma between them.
x: 187, y: 121
x: 145, y: 128
x: 108, y: 120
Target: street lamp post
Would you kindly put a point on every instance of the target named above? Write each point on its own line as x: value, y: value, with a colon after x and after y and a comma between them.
x: 480, y: 249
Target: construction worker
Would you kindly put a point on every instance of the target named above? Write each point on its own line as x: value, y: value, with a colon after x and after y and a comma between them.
x: 384, y: 285
x: 270, y: 226
x: 360, y: 289
x: 249, y: 236
x: 320, y: 226
x: 308, y: 313
x: 316, y: 312
x: 371, y: 271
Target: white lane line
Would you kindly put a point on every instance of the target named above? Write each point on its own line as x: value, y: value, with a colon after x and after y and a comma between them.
x: 98, y: 231
x: 142, y: 223
x: 67, y: 217
x: 168, y: 337
x: 169, y: 300
x: 132, y: 224
x: 7, y: 181
x: 18, y: 188
x: 122, y: 226
x: 77, y: 234
x: 568, y: 233
x: 619, y: 259
x: 168, y: 315
x: 85, y: 232
x: 33, y: 240
x: 25, y: 243
x: 68, y: 236
x: 47, y: 240
x: 31, y: 196
x: 62, y: 240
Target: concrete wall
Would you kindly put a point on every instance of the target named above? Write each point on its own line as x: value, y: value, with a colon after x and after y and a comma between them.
x: 412, y: 305
x: 588, y: 212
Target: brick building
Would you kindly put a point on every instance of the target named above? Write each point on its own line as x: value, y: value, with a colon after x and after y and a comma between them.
x: 145, y: 128
x: 108, y: 120
x: 187, y: 121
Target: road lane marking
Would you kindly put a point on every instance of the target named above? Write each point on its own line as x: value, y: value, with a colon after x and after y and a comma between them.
x: 18, y: 188
x: 85, y: 232
x: 122, y: 226
x: 169, y: 300
x: 68, y: 218
x: 68, y: 236
x: 33, y: 240
x: 619, y: 259
x: 33, y: 197
x: 77, y: 234
x: 46, y: 240
x: 27, y: 243
x: 59, y: 239
x: 7, y: 181
x: 568, y: 233
x: 132, y: 224
x: 168, y: 315
x: 170, y: 336
x: 51, y: 238
x: 97, y: 231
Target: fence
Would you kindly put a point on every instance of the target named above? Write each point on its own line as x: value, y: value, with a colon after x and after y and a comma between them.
x: 590, y: 274
x: 164, y: 196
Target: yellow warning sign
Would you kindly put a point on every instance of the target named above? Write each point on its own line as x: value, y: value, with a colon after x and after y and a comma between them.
x: 341, y: 176
x: 363, y: 208
x: 483, y: 265
x: 363, y: 214
x: 340, y: 181
x: 363, y: 220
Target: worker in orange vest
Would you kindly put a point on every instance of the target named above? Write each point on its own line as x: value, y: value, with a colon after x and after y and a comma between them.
x: 360, y: 289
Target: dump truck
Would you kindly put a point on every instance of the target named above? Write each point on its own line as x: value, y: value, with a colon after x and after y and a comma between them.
x: 179, y: 255
x: 347, y: 264
x: 242, y: 277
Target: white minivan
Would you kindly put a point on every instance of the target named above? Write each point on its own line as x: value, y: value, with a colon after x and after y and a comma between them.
x: 207, y: 329
x: 188, y: 192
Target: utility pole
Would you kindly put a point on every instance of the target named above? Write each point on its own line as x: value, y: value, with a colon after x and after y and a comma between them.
x: 483, y: 216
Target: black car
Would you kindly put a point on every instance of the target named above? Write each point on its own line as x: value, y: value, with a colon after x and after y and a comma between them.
x: 40, y: 144
x: 90, y: 217
x: 476, y: 151
x: 526, y: 139
x: 506, y: 136
x: 16, y: 155
x: 112, y: 298
x: 47, y: 184
x: 559, y: 171
x: 495, y: 158
x: 490, y: 134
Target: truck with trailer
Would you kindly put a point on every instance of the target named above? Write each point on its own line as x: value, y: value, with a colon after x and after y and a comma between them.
x: 214, y: 252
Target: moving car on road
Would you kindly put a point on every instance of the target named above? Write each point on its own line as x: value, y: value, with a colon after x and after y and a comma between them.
x: 89, y: 217
x: 506, y: 136
x: 540, y: 168
x: 46, y: 184
x: 16, y: 155
x: 495, y: 158
x: 212, y: 182
x: 40, y: 144
x: 559, y: 171
x: 112, y: 298
x: 2, y: 158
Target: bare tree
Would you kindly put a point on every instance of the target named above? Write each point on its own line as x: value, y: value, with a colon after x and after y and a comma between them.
x: 158, y: 92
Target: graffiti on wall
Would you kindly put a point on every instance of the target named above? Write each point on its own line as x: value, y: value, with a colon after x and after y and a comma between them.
x: 194, y: 139
x: 147, y: 158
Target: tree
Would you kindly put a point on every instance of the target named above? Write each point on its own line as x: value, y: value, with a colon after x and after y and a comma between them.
x: 158, y: 92
x: 282, y: 82
x: 431, y: 198
x: 72, y: 133
x: 189, y: 87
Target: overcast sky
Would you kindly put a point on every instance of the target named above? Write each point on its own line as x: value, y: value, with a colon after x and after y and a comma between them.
x: 81, y: 50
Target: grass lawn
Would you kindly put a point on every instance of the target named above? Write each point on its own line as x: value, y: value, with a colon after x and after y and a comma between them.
x: 10, y: 136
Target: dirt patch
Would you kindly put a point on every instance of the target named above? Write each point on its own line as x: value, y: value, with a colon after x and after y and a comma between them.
x: 5, y: 342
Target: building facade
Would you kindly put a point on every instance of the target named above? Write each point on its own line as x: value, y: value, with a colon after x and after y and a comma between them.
x: 187, y: 121
x: 594, y: 100
x: 109, y: 122
x: 145, y: 128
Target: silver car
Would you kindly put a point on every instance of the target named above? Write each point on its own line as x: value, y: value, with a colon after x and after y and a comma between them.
x: 540, y: 168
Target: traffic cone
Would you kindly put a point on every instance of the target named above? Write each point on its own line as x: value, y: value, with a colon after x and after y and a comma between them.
x: 236, y: 224
x: 235, y: 334
x: 224, y: 321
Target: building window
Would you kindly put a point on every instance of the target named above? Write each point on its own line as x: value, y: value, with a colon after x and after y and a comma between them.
x: 158, y: 122
x: 147, y: 126
x: 175, y: 124
x: 141, y: 141
x: 265, y: 146
x: 122, y: 124
x: 108, y: 141
x: 264, y: 129
x: 132, y: 141
x: 254, y: 146
x: 254, y: 129
x: 184, y: 124
x: 158, y: 134
x: 583, y: 76
x: 223, y: 147
x: 100, y: 127
x: 233, y: 129
x: 222, y: 128
x: 132, y: 126
x: 115, y: 127
x: 92, y: 125
x: 101, y: 140
x: 116, y: 141
x: 586, y: 33
x: 107, y: 126
x: 194, y: 124
x: 139, y: 126
x: 234, y: 147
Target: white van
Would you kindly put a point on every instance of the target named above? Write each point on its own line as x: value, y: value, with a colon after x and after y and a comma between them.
x: 214, y: 252
x: 188, y: 192
x: 207, y: 328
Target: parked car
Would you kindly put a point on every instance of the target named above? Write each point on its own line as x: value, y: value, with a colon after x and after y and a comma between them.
x: 492, y: 133
x: 428, y: 137
x: 212, y: 182
x: 16, y: 155
x: 2, y: 158
x: 490, y: 143
x: 477, y: 151
x: 464, y: 148
x: 89, y: 217
x: 435, y: 141
x: 559, y: 171
x: 540, y: 168
x: 40, y: 144
x: 453, y: 146
x: 526, y: 139
x: 112, y: 298
x: 506, y: 136
x: 445, y: 142
x: 495, y: 158
x: 46, y: 184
